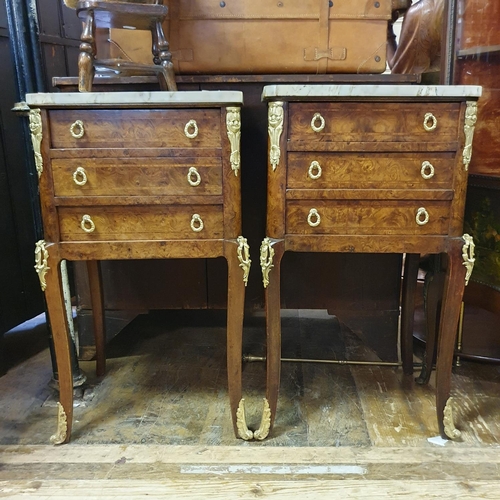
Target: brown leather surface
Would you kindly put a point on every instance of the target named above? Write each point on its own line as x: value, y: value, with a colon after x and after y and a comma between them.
x: 259, y: 37
x: 293, y: 36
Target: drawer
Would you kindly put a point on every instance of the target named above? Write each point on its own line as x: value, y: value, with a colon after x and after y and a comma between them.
x: 385, y: 217
x: 373, y: 121
x: 137, y: 176
x: 141, y: 223
x: 370, y: 171
x: 135, y: 128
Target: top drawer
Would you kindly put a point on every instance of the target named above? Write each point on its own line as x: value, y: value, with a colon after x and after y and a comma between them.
x: 373, y: 122
x: 135, y: 128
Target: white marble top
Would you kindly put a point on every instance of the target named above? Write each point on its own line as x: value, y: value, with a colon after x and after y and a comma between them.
x: 135, y: 99
x: 291, y: 92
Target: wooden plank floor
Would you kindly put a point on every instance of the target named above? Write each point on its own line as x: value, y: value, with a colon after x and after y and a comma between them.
x: 158, y: 423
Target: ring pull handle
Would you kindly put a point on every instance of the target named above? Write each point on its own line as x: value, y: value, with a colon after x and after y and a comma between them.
x: 427, y: 170
x: 313, y: 219
x: 193, y: 177
x: 87, y: 224
x: 77, y: 130
x: 315, y: 118
x: 314, y: 170
x: 80, y: 176
x: 430, y: 122
x: 191, y: 129
x: 196, y: 223
x: 422, y: 217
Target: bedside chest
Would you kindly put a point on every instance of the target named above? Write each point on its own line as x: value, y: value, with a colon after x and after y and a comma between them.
x: 372, y: 169
x: 138, y: 175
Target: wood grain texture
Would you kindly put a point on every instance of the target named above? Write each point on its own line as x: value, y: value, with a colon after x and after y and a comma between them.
x: 136, y: 249
x: 374, y: 121
x: 141, y: 223
x: 369, y: 171
x: 366, y: 217
x: 135, y: 128
x: 151, y: 192
x: 248, y: 489
x: 156, y: 425
x: 137, y: 176
x: 355, y: 183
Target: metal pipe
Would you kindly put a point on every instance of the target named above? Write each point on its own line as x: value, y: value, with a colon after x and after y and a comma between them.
x: 248, y: 358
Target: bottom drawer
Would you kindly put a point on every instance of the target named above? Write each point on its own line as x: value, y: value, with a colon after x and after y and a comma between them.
x: 141, y: 223
x: 367, y: 217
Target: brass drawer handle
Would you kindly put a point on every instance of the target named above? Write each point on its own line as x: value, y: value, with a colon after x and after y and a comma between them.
x: 80, y: 176
x: 87, y: 224
x: 77, y: 129
x: 422, y: 217
x: 430, y: 122
x: 197, y: 177
x: 196, y: 223
x: 313, y: 213
x: 427, y: 170
x: 191, y: 125
x: 315, y: 118
x: 314, y: 170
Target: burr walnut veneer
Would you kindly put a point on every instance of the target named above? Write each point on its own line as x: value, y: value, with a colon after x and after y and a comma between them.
x: 138, y: 175
x: 373, y: 169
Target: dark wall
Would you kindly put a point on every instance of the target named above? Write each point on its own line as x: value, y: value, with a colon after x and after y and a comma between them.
x: 20, y: 294
x: 59, y: 40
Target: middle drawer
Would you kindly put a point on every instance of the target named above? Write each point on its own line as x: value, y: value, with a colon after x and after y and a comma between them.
x: 370, y: 170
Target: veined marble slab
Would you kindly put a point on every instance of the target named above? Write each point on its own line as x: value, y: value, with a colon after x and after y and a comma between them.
x: 320, y: 91
x: 135, y: 99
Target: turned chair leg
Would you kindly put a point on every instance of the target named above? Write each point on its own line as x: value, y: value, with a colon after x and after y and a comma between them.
x: 87, y: 54
x: 163, y: 58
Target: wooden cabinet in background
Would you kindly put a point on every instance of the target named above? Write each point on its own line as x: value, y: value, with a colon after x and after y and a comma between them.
x: 478, y: 63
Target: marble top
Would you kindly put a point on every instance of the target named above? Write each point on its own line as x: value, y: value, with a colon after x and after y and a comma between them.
x: 291, y: 92
x: 135, y: 99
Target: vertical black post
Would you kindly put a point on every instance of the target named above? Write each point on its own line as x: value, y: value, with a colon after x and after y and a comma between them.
x: 23, y: 34
x: 448, y: 42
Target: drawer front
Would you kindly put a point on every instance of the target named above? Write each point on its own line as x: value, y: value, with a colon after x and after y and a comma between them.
x: 135, y: 128
x: 367, y: 171
x: 137, y: 176
x: 367, y: 217
x: 374, y: 121
x: 141, y: 223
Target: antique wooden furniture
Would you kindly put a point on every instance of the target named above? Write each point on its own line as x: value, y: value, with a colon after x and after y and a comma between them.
x: 138, y: 175
x: 478, y: 63
x: 375, y: 169
x: 130, y: 15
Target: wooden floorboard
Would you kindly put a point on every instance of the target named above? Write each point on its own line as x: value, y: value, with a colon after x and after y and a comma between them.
x: 158, y: 424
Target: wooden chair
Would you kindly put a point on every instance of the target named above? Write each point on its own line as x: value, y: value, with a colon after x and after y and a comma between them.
x: 139, y: 14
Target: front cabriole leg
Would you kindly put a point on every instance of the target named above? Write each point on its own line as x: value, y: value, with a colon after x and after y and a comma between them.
x: 48, y: 267
x: 460, y: 264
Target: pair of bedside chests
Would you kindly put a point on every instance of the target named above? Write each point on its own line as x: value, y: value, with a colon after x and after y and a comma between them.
x: 156, y: 175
